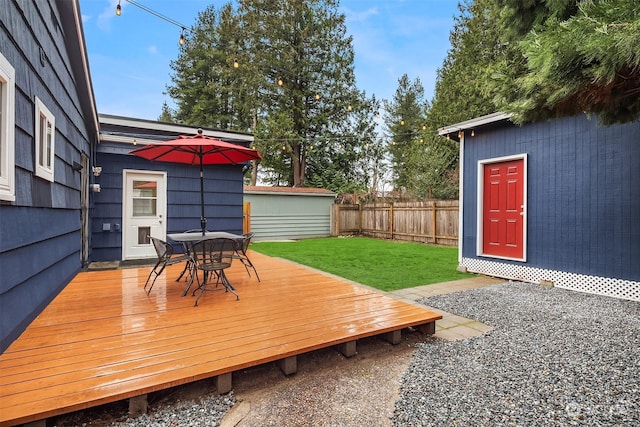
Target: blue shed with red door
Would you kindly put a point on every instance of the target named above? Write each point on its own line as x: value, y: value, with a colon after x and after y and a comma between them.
x: 556, y: 201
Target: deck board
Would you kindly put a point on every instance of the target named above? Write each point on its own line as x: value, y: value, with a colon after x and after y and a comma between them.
x: 103, y: 339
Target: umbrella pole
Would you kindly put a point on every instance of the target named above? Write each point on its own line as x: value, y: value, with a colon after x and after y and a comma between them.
x: 203, y: 220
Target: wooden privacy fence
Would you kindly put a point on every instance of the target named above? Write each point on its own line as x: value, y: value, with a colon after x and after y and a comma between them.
x: 434, y: 221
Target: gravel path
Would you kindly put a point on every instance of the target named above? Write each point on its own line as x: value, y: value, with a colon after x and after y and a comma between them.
x: 555, y: 357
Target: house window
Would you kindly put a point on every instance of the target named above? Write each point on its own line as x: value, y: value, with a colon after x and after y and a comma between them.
x: 7, y: 130
x: 45, y: 141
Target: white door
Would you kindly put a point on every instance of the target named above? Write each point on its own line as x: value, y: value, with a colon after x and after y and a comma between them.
x: 144, y: 207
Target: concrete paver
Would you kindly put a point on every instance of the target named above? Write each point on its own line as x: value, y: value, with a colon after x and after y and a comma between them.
x: 450, y: 327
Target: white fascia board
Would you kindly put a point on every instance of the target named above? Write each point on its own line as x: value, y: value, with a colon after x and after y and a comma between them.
x: 474, y: 123
x: 289, y: 193
x: 171, y: 127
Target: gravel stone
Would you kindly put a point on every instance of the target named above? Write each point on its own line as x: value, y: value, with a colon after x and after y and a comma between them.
x: 555, y: 357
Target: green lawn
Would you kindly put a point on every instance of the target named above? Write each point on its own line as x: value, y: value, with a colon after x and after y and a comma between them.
x: 382, y: 264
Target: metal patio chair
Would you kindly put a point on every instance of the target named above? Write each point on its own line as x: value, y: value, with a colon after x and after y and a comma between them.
x: 241, y: 254
x: 213, y: 257
x: 164, y: 251
x: 186, y: 250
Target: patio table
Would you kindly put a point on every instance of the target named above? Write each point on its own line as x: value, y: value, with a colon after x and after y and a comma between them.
x: 188, y: 239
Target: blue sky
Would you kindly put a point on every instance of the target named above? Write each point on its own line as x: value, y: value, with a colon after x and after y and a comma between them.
x: 129, y: 55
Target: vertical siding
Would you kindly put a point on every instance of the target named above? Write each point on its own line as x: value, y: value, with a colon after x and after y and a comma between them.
x: 583, y: 193
x: 40, y: 239
x: 223, y: 199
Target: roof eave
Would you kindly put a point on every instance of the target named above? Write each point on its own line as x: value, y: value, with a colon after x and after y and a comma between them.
x: 474, y: 123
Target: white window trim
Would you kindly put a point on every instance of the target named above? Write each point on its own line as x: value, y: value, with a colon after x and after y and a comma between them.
x: 7, y: 131
x: 44, y: 171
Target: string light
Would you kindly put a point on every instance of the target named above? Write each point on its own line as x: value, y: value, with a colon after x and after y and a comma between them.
x: 280, y: 82
x: 473, y: 132
x: 236, y: 65
x: 156, y: 14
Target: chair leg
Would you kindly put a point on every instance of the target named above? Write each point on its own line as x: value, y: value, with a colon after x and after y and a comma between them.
x: 184, y: 270
x: 221, y: 278
x: 246, y: 262
x: 157, y: 273
x: 227, y: 284
x: 254, y: 269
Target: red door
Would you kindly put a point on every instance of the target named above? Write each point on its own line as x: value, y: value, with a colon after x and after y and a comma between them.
x: 503, y: 209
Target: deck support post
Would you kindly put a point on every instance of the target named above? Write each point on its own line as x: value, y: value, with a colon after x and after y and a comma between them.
x: 224, y: 383
x: 348, y: 349
x: 288, y: 365
x: 138, y: 405
x: 427, y: 328
x: 393, y: 337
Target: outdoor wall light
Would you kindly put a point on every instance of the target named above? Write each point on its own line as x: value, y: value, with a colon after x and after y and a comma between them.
x: 97, y: 170
x: 95, y: 188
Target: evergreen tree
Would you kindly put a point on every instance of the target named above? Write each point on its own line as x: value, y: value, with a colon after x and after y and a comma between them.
x: 575, y: 56
x: 404, y: 117
x: 302, y: 50
x: 283, y: 71
x: 463, y: 91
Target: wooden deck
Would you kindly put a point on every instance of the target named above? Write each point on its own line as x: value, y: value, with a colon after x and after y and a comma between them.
x: 103, y: 339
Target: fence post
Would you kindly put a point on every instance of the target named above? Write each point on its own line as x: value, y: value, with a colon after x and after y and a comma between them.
x: 434, y: 221
x: 359, y: 218
x: 391, y: 220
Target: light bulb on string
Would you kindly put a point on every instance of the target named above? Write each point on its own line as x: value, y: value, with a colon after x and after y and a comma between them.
x: 473, y: 132
x: 317, y: 97
x: 236, y: 64
x: 118, y: 9
x: 181, y: 40
x: 349, y: 107
x: 401, y: 122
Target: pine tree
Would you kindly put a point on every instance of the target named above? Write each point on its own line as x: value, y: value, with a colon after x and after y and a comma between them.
x: 575, y: 56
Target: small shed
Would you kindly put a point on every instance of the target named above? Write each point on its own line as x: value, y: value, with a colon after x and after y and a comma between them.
x: 282, y: 213
x: 553, y: 202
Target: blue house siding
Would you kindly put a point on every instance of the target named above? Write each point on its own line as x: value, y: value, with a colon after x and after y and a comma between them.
x: 41, y: 231
x: 583, y: 197
x: 223, y: 198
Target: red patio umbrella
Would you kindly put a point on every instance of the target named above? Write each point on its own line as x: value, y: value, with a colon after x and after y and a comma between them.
x: 197, y: 150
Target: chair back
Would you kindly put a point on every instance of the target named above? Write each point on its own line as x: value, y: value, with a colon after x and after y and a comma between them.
x: 247, y: 241
x: 214, y: 253
x: 163, y: 249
